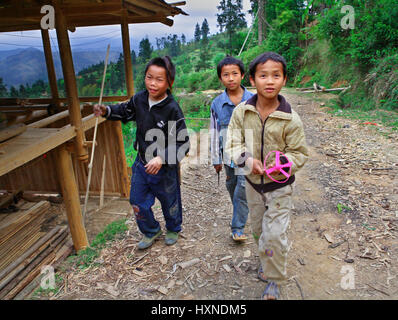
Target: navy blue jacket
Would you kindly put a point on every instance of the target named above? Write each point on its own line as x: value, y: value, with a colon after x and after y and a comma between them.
x: 170, y: 141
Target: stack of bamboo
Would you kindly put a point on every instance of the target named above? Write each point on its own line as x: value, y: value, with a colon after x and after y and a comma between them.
x: 25, y: 249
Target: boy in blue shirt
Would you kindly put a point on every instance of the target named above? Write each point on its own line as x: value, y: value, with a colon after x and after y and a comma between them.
x: 231, y: 73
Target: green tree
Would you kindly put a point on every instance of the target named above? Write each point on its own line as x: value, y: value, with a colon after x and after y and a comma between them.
x: 145, y: 50
x: 3, y: 89
x: 23, y: 92
x: 204, y: 55
x: 205, y: 30
x: 198, y: 33
x: 13, y: 92
x: 174, y: 45
x: 231, y: 18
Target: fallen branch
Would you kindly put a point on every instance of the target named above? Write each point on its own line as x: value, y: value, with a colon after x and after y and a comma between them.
x: 298, y: 285
x: 378, y: 290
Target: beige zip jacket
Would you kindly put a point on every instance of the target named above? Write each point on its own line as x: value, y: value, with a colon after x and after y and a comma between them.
x: 247, y: 137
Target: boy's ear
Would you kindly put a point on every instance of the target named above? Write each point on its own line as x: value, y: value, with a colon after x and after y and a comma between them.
x: 252, y: 82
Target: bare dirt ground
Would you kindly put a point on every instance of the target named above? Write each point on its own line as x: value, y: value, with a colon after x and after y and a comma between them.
x: 343, y: 230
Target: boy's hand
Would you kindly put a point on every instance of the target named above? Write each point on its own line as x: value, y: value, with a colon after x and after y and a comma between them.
x: 276, y: 172
x: 99, y: 110
x: 218, y: 167
x: 255, y: 166
x: 153, y: 166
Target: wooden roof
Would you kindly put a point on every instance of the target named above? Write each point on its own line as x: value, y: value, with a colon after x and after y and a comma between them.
x: 19, y: 15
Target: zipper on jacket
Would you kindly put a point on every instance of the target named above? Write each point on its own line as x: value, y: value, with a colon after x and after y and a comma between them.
x: 262, y: 147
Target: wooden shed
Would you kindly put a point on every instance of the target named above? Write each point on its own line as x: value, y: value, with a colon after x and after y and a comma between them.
x: 52, y: 152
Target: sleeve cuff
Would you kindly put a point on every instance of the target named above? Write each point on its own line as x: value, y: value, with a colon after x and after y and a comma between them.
x: 108, y: 112
x: 242, y: 159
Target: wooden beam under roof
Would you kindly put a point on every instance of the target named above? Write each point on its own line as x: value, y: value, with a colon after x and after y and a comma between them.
x: 154, y: 6
x: 88, y: 14
x: 179, y: 3
x: 33, y: 13
x: 139, y: 10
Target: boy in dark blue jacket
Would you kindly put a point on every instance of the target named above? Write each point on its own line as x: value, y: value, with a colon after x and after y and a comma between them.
x: 162, y: 141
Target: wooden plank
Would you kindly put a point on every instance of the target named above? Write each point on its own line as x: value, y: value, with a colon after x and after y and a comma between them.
x: 29, y: 145
x: 11, y: 131
x: 22, y: 102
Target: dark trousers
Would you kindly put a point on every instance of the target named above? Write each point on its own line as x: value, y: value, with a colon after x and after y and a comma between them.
x: 166, y: 188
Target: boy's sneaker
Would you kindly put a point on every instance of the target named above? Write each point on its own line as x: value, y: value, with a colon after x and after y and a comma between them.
x: 171, y: 238
x: 146, y: 242
x: 238, y: 236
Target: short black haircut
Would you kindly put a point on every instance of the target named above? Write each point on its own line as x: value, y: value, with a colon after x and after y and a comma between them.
x: 164, y: 62
x: 228, y: 60
x: 263, y: 58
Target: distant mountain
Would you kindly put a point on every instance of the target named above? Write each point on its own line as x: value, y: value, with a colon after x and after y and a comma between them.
x: 23, y: 66
x: 6, y: 53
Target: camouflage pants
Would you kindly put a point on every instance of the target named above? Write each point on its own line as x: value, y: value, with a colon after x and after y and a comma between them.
x: 269, y: 223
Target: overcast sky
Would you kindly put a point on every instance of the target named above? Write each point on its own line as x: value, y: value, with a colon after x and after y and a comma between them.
x: 88, y: 37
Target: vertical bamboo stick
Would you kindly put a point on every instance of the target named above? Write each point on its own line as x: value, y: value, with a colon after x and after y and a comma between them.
x: 90, y: 166
x: 103, y: 183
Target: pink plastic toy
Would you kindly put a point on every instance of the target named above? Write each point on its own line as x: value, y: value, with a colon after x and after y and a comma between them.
x: 278, y: 166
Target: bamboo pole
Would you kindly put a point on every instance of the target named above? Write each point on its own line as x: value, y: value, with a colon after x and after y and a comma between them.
x: 127, y: 57
x: 71, y: 197
x: 90, y: 166
x: 14, y: 268
x: 103, y: 183
x: 52, y: 78
x: 70, y: 83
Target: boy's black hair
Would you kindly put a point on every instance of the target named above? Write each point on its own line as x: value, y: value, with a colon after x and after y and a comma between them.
x: 166, y: 63
x: 228, y: 60
x: 263, y: 58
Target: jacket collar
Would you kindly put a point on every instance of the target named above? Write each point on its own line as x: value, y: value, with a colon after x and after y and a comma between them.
x: 284, y: 110
x: 145, y: 96
x: 226, y: 100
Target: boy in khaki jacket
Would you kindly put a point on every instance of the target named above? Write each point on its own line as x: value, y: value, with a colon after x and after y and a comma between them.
x: 265, y: 123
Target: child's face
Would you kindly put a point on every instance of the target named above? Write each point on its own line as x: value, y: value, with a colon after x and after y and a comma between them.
x: 231, y: 76
x: 156, y: 82
x: 269, y: 79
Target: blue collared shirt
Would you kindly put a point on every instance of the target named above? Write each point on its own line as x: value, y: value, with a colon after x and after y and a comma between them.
x: 220, y: 115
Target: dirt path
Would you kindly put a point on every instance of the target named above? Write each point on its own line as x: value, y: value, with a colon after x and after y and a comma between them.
x: 337, y: 198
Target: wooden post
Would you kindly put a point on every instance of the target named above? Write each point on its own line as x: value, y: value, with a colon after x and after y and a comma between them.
x: 71, y: 198
x: 70, y: 83
x: 125, y: 183
x: 122, y: 162
x: 128, y: 68
x: 52, y: 78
